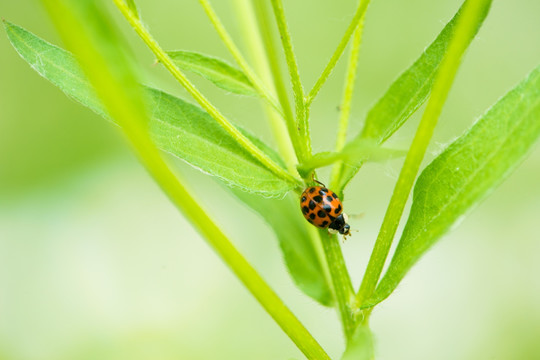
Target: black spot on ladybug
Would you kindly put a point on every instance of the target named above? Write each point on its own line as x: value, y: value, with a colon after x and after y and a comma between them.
x: 338, y: 209
x: 327, y: 208
x: 303, y: 198
x: 329, y: 198
x: 310, y: 221
x: 312, y: 216
x: 305, y: 210
x: 312, y: 204
x: 317, y: 199
x: 334, y: 195
x: 322, y: 192
x: 324, y: 223
x: 311, y: 190
x: 321, y: 213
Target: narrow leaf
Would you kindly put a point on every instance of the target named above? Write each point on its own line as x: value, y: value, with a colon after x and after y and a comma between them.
x: 218, y: 71
x: 299, y: 252
x: 409, y: 91
x: 176, y: 126
x: 412, y: 87
x: 465, y: 173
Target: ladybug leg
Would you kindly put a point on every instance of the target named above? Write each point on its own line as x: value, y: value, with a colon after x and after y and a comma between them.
x: 332, y: 232
x: 345, y: 237
x: 320, y: 183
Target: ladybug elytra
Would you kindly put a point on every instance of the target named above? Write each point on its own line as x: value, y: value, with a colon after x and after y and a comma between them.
x: 322, y: 208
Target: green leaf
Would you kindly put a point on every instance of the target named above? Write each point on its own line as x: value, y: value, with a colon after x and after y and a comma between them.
x: 176, y: 126
x: 360, y: 346
x: 412, y: 87
x: 409, y: 91
x: 301, y: 254
x: 218, y: 71
x: 464, y: 174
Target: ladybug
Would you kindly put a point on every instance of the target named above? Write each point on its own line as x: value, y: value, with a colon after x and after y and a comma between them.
x: 322, y: 208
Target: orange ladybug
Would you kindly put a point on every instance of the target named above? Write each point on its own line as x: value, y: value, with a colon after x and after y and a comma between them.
x: 322, y: 208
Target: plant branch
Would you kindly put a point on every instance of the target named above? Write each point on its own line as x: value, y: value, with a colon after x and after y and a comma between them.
x: 280, y: 126
x: 301, y: 113
x: 445, y: 76
x: 271, y: 51
x: 342, y: 285
x: 357, y: 18
x: 346, y: 103
x: 205, y: 104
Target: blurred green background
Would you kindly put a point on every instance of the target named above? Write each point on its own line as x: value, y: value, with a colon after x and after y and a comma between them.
x: 95, y: 263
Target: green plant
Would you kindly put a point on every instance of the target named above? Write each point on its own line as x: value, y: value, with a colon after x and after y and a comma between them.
x: 270, y: 182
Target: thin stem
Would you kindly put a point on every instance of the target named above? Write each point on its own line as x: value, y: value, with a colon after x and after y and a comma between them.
x: 360, y: 11
x: 317, y: 243
x: 205, y: 104
x: 342, y: 285
x: 445, y: 77
x: 346, y: 102
x: 237, y: 55
x: 271, y: 51
x: 298, y: 90
x: 287, y: 145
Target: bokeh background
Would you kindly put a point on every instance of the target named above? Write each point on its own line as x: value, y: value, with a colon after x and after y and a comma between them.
x: 95, y: 263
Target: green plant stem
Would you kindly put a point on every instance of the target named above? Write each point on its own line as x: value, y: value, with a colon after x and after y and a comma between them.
x: 205, y: 104
x: 118, y: 91
x: 287, y: 145
x: 346, y: 103
x: 315, y: 239
x: 271, y: 51
x: 342, y: 285
x: 445, y: 77
x: 237, y: 55
x: 359, y: 14
x: 300, y: 106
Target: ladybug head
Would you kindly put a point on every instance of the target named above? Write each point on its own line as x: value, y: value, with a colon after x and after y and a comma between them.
x: 340, y: 225
x: 345, y: 230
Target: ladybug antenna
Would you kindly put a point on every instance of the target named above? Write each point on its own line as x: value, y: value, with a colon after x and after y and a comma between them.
x: 315, y: 180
